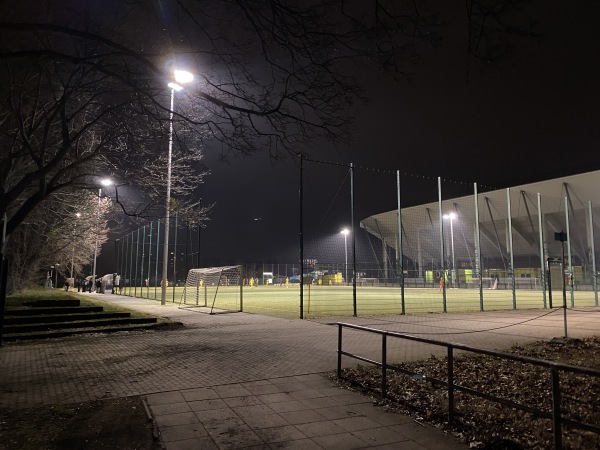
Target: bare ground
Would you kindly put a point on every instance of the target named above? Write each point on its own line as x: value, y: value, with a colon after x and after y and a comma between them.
x: 485, y: 424
x: 119, y: 423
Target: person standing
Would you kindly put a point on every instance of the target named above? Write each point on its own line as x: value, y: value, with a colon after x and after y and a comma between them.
x: 116, y: 282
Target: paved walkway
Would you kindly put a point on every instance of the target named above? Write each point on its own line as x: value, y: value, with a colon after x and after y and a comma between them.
x: 233, y: 381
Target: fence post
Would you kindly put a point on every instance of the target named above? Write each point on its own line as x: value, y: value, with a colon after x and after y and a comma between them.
x: 510, y: 249
x: 541, y: 233
x: 450, y: 385
x: 593, y: 252
x: 479, y: 265
x: 384, y: 365
x: 571, y: 274
x: 442, y: 254
x: 556, y: 409
x: 339, y: 361
x: 400, y: 256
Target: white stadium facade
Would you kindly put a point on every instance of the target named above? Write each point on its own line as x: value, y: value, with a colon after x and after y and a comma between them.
x: 510, y: 238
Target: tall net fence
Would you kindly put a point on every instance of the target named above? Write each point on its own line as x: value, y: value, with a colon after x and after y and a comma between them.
x: 375, y: 242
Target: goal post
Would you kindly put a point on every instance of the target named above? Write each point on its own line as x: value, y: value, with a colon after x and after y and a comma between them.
x: 213, y: 290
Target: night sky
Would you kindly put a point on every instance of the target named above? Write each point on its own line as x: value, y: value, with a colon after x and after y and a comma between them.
x: 532, y: 116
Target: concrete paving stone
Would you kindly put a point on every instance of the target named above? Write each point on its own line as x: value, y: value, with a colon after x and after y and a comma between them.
x: 338, y: 412
x: 206, y: 405
x: 280, y: 433
x: 169, y: 408
x: 232, y: 390
x: 225, y: 426
x: 330, y: 390
x: 254, y: 410
x: 290, y: 385
x: 169, y: 420
x: 303, y: 416
x: 182, y: 432
x: 202, y: 443
x: 249, y: 400
x: 319, y: 402
x: 199, y: 394
x: 263, y: 389
x: 406, y: 445
x: 350, y: 398
x: 257, y: 383
x: 264, y: 421
x: 322, y: 428
x: 344, y: 441
x: 238, y: 437
x: 310, y: 377
x: 300, y: 444
x: 275, y: 398
x: 215, y: 417
x: 379, y: 436
x: 305, y: 393
x: 356, y: 423
x: 292, y: 405
x: 379, y: 415
x: 165, y: 398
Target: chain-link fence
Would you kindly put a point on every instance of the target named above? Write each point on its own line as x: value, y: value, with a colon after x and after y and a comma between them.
x: 374, y: 242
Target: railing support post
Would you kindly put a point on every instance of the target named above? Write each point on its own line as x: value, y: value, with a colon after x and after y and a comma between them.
x: 384, y: 365
x: 339, y: 361
x: 450, y: 386
x: 556, y: 409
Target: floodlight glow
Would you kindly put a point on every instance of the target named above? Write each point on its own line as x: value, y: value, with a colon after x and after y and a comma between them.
x: 345, y: 231
x: 106, y: 182
x: 175, y: 86
x: 183, y: 76
x: 450, y: 216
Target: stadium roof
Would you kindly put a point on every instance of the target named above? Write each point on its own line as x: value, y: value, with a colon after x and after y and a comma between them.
x: 421, y: 224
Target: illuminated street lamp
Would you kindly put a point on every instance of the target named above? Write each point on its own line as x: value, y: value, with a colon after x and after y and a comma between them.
x: 345, y: 232
x: 181, y: 77
x: 452, y: 216
x: 73, y: 254
x: 104, y: 182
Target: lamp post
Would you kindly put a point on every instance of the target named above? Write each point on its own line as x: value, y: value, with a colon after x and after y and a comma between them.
x: 73, y: 254
x: 452, y: 216
x: 181, y: 76
x: 104, y: 182
x: 56, y: 274
x: 345, y: 232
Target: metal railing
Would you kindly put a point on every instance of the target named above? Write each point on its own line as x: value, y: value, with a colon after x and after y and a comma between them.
x: 554, y: 368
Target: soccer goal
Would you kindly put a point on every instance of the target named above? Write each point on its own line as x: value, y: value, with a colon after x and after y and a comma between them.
x: 213, y: 290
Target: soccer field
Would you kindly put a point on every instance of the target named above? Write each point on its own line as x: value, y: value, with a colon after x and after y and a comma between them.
x: 329, y: 301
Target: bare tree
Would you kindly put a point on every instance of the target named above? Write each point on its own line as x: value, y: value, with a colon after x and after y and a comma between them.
x: 62, y: 231
x: 84, y: 92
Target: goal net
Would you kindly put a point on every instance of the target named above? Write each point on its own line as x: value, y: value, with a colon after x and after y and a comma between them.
x: 213, y: 290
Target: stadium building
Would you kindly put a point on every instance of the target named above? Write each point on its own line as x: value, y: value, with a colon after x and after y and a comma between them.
x: 514, y: 238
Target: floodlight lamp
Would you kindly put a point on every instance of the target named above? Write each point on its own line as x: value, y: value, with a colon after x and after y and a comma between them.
x: 345, y: 231
x: 183, y: 76
x: 106, y: 182
x: 175, y: 86
x: 78, y: 214
x: 450, y: 216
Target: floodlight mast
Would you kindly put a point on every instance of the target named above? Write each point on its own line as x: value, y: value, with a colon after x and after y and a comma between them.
x: 181, y: 77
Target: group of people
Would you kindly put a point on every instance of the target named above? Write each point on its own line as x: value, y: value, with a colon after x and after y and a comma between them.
x: 99, y: 285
